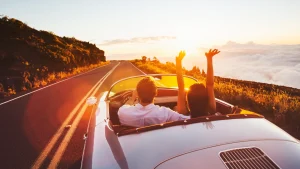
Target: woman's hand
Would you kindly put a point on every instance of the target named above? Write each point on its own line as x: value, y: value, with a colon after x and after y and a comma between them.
x: 180, y: 56
x: 211, y: 53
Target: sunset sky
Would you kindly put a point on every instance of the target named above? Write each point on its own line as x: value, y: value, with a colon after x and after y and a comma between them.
x: 161, y: 27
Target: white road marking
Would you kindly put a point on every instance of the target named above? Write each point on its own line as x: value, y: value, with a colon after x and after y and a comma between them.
x: 62, y: 147
x: 138, y: 68
x: 49, y: 86
x: 56, y: 136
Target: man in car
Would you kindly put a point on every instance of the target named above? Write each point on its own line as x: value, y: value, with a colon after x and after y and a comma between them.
x: 145, y: 112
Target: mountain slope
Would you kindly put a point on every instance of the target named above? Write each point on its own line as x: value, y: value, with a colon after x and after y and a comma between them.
x: 27, y: 54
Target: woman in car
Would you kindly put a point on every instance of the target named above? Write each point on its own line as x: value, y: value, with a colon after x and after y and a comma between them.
x: 199, y: 100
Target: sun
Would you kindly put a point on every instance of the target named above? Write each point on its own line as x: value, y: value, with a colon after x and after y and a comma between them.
x: 187, y: 43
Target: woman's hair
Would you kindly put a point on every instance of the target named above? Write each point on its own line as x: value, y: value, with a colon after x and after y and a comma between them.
x: 146, y: 90
x: 197, y: 100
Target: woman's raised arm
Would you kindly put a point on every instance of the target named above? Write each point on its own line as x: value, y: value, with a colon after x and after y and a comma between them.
x: 210, y: 80
x: 181, y: 101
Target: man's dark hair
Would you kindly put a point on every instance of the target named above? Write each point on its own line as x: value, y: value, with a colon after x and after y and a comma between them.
x: 146, y: 90
x: 197, y: 100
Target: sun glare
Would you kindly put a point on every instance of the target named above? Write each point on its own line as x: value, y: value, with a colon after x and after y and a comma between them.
x: 187, y: 43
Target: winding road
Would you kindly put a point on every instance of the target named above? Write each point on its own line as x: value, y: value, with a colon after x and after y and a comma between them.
x: 46, y: 126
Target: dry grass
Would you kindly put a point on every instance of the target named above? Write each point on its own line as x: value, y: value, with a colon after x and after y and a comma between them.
x: 49, y: 78
x: 11, y: 91
x: 52, y: 77
x: 1, y: 87
x: 276, y: 103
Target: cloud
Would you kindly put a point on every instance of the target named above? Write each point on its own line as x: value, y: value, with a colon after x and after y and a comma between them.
x: 276, y: 64
x: 273, y: 64
x: 136, y: 40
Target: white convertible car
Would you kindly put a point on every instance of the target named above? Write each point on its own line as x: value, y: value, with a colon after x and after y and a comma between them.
x: 237, y: 139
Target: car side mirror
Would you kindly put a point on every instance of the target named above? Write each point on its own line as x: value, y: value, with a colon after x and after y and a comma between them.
x: 91, y: 101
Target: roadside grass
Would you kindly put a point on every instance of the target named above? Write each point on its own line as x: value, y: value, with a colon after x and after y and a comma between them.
x: 39, y: 81
x: 279, y: 104
x: 52, y: 77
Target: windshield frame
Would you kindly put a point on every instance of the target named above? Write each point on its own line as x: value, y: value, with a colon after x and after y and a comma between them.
x: 145, y: 75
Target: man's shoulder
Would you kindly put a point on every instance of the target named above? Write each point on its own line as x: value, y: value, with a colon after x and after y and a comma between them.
x: 125, y: 108
x: 165, y: 109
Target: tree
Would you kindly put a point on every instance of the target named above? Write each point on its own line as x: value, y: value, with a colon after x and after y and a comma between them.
x: 195, y: 70
x: 170, y: 64
x: 144, y: 59
x: 203, y: 73
x: 103, y: 58
x: 155, y: 60
x: 4, y: 18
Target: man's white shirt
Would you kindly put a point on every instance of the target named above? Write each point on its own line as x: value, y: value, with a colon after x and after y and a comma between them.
x: 140, y: 116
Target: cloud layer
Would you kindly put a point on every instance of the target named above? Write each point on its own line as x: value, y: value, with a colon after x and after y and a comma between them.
x: 273, y: 64
x: 276, y: 64
x: 136, y: 40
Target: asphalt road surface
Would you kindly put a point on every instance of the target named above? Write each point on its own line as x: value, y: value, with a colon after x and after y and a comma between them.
x: 34, y: 124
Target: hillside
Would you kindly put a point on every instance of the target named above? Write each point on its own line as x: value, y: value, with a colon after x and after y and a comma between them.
x: 30, y: 58
x: 279, y: 104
